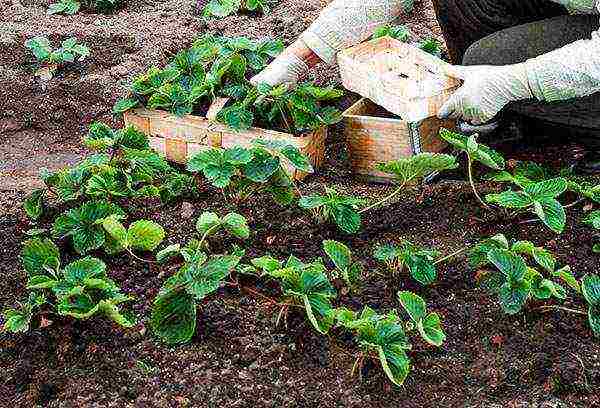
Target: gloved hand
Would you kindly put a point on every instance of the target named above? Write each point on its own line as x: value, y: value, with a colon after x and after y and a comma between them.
x: 485, y: 91
x: 286, y: 68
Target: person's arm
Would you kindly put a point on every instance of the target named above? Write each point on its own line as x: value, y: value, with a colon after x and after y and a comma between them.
x: 341, y: 24
x: 572, y: 71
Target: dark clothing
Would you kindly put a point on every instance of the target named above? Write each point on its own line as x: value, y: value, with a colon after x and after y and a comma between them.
x: 500, y: 32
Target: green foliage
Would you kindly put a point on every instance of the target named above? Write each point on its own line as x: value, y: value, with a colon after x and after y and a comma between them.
x: 244, y: 172
x: 341, y: 257
x: 34, y: 204
x: 224, y: 8
x: 593, y: 219
x: 539, y: 198
x: 295, y: 111
x: 590, y: 286
x: 420, y: 262
x: 522, y: 174
x: 333, y: 207
x: 70, y: 7
x: 474, y: 150
x: 431, y: 46
x: 142, y: 235
x: 399, y: 32
x: 384, y: 337
x: 512, y: 279
x: 69, y: 51
x: 419, y: 166
x: 305, y: 285
x: 235, y: 224
x: 84, y: 225
x: 81, y: 289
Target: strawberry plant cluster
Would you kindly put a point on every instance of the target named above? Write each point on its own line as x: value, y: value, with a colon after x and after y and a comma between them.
x: 220, y: 67
x: 224, y: 8
x: 430, y: 45
x: 51, y: 59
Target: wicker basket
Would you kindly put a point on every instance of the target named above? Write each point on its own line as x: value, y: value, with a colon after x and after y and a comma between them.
x: 178, y: 138
x: 373, y: 139
x: 399, y: 77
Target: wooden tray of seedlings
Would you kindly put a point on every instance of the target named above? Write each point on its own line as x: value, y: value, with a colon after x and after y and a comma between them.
x: 179, y: 138
x: 403, y: 79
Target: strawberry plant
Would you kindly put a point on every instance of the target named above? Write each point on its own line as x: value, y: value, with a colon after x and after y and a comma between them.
x: 539, y: 198
x: 70, y: 7
x: 399, y: 32
x: 431, y: 46
x: 420, y: 262
x: 51, y: 59
x: 224, y: 8
x: 174, y: 309
x: 304, y: 285
x: 243, y: 172
x: 475, y: 152
x: 81, y: 288
x: 593, y: 220
x: 590, y: 287
x: 512, y: 279
x: 295, y: 111
x: 385, y: 338
x: 345, y: 268
x: 333, y: 207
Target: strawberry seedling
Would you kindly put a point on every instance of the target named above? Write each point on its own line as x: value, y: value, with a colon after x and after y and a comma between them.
x: 81, y: 289
x: 51, y: 59
x: 224, y: 8
x: 345, y: 268
x: 70, y: 7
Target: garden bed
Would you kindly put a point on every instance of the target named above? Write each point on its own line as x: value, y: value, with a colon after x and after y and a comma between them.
x: 238, y: 357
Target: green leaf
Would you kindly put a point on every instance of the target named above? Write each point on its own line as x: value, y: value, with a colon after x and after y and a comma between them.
x: 145, y: 235
x: 418, y: 166
x: 208, y: 222
x: 510, y: 264
x: 347, y: 218
x: 413, y: 304
x: 478, y: 254
x: 85, y: 268
x: 236, y: 225
x: 387, y: 252
x: 167, y: 253
x: 510, y: 199
x: 16, y: 321
x: 113, y: 226
x: 547, y: 189
x: 39, y: 282
x: 567, y: 276
x: 590, y: 287
x: 395, y: 364
x: 237, y: 155
x: 319, y: 312
x: 123, y: 105
x: 552, y: 214
x: 39, y: 255
x: 513, y: 296
x: 430, y: 329
x: 476, y: 151
x: 34, y: 204
x: 339, y: 254
x: 594, y: 319
x: 262, y: 166
x: 203, y: 280
x: 422, y: 269
x: 173, y: 317
x: 593, y: 219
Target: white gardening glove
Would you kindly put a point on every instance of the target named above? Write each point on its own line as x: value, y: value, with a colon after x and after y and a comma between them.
x: 485, y: 91
x: 285, y: 69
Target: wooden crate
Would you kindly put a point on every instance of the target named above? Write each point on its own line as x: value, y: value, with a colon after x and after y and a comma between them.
x: 399, y: 77
x: 373, y: 138
x: 178, y: 138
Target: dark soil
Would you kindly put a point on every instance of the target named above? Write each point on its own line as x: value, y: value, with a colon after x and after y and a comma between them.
x: 238, y: 357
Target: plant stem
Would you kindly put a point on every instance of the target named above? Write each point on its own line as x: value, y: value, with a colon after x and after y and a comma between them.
x: 573, y: 204
x: 472, y: 182
x: 452, y: 255
x: 207, y: 233
x: 130, y: 252
x: 565, y: 309
x: 378, y: 203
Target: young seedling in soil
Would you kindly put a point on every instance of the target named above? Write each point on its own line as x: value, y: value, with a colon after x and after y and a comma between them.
x: 243, y: 172
x: 70, y: 7
x: 593, y: 220
x: 304, y: 285
x: 346, y: 212
x: 174, y: 309
x: 385, y: 338
x: 512, y: 279
x: 590, y: 287
x: 51, y: 59
x: 224, y: 8
x: 345, y: 268
x: 81, y: 289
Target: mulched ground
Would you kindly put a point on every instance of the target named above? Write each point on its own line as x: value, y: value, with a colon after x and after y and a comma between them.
x: 238, y: 358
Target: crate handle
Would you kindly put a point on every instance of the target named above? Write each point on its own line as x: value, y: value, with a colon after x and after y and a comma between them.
x: 215, y: 108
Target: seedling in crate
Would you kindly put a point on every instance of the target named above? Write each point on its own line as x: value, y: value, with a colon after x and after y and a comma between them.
x: 304, y: 285
x: 399, y: 32
x: 174, y: 309
x: 81, y: 289
x: 385, y: 338
x: 51, y: 59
